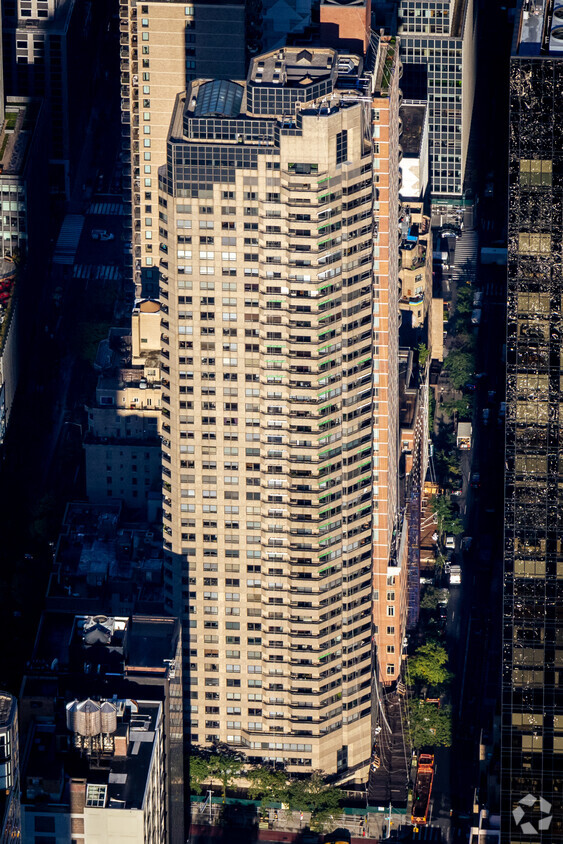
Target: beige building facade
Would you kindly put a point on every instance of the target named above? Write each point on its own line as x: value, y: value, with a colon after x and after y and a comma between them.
x: 279, y: 450
x: 162, y: 46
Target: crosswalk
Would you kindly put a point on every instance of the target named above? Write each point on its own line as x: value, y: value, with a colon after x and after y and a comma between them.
x: 115, y: 209
x: 96, y: 273
x: 494, y: 290
x: 466, y: 249
x: 68, y: 239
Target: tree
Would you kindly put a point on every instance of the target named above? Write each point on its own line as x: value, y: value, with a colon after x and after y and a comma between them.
x: 430, y: 599
x: 447, y: 463
x: 463, y: 407
x: 442, y: 509
x: 422, y: 355
x: 460, y: 366
x: 271, y: 786
x: 446, y: 522
x: 455, y: 526
x: 226, y: 766
x: 200, y: 771
x: 315, y: 796
x: 429, y: 724
x: 464, y: 300
x: 439, y: 563
x: 429, y: 664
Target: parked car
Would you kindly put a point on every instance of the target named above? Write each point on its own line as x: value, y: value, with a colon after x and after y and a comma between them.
x: 450, y: 542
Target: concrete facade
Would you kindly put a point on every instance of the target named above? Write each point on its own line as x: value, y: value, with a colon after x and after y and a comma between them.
x: 162, y: 46
x: 438, y: 51
x: 280, y: 403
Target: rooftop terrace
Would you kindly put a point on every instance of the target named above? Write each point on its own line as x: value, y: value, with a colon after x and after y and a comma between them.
x: 539, y: 28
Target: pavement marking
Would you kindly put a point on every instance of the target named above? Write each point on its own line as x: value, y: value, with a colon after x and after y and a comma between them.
x: 115, y: 209
x: 97, y: 273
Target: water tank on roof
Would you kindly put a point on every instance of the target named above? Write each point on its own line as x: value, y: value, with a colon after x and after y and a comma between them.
x: 556, y: 35
x: 70, y: 709
x: 87, y: 718
x: 108, y: 713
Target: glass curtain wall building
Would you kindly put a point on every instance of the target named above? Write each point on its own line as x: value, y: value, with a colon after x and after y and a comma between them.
x: 532, y: 711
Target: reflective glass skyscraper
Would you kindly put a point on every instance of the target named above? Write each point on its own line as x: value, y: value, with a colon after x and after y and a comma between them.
x: 532, y: 713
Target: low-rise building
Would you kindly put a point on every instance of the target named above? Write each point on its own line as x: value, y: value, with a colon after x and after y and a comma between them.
x: 122, y: 442
x: 110, y: 787
x: 103, y: 564
x: 102, y: 723
x: 414, y: 141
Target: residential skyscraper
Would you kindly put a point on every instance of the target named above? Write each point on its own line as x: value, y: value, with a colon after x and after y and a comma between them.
x: 278, y: 273
x: 438, y: 52
x: 163, y: 45
x: 532, y: 698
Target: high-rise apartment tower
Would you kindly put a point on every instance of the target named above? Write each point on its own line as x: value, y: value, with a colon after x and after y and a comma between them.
x: 164, y: 45
x: 532, y: 701
x: 278, y: 273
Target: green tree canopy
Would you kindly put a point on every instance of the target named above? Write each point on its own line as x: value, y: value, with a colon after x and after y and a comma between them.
x: 226, y: 766
x: 460, y: 366
x: 269, y: 785
x: 200, y: 771
x: 447, y: 463
x: 430, y: 725
x: 463, y: 407
x: 464, y: 299
x: 429, y: 664
x: 422, y: 354
x: 430, y: 599
x: 446, y: 522
x: 315, y: 796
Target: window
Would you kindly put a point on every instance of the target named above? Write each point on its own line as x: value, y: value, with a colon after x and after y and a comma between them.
x: 535, y: 172
x: 342, y: 146
x: 534, y: 243
x: 96, y: 796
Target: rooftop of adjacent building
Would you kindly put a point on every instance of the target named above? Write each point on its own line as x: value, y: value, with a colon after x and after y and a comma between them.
x: 538, y: 29
x: 16, y: 134
x: 114, y: 771
x: 293, y: 66
x: 97, y: 554
x: 457, y: 13
x: 82, y: 645
x: 413, y: 117
x: 296, y: 68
